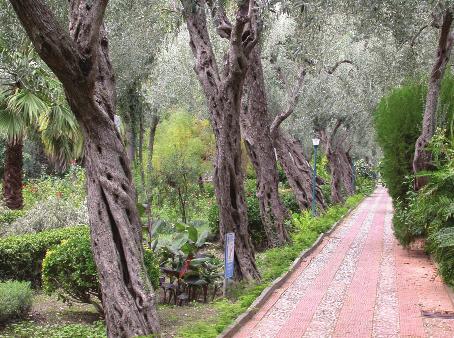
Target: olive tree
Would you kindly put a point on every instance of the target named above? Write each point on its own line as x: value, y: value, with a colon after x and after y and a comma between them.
x: 79, y: 57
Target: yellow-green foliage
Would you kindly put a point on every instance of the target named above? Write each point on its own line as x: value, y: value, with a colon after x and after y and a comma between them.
x: 183, y: 143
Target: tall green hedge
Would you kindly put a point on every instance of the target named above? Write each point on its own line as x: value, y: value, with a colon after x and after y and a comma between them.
x: 21, y: 256
x: 398, y: 123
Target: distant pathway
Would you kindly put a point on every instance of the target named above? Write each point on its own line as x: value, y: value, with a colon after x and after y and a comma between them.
x: 358, y: 283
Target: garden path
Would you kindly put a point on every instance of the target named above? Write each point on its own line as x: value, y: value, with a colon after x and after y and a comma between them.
x: 359, y: 283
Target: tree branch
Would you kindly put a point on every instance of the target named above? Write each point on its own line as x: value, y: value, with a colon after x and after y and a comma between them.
x: 96, y: 19
x: 336, y: 127
x: 293, y: 99
x: 221, y: 21
x: 50, y: 40
x: 413, y: 39
x: 206, y: 66
x: 331, y: 70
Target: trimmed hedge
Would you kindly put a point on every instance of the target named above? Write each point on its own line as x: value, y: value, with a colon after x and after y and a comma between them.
x: 15, y: 300
x: 69, y: 271
x: 21, y: 256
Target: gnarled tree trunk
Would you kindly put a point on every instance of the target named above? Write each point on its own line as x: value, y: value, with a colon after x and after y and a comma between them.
x: 223, y: 91
x: 298, y: 170
x: 255, y: 129
x: 12, y: 174
x: 422, y: 157
x: 340, y: 166
x: 81, y: 62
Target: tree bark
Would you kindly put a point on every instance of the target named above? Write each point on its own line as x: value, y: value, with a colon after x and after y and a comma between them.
x: 298, y: 170
x: 81, y: 62
x: 255, y: 129
x: 140, y: 149
x: 223, y: 91
x: 12, y: 175
x: 148, y: 190
x: 340, y: 166
x: 422, y: 157
x: 339, y: 175
x: 130, y: 136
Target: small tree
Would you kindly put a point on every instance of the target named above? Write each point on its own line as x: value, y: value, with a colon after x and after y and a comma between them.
x: 183, y: 152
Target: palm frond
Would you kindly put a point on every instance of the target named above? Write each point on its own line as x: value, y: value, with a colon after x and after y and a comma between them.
x: 26, y: 105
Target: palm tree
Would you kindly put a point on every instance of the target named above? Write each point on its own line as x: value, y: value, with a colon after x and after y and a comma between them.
x: 32, y: 100
x: 19, y: 110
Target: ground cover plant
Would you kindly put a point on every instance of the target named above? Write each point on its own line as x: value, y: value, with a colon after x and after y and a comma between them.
x: 15, y: 300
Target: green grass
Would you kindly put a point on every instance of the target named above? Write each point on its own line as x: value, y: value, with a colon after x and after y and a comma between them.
x: 30, y: 329
x: 272, y: 264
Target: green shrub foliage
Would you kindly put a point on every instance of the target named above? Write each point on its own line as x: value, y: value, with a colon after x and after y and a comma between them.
x: 397, y: 122
x: 256, y: 229
x: 69, y: 271
x: 49, y: 214
x: 430, y: 211
x: 30, y: 329
x: 21, y: 256
x: 15, y: 300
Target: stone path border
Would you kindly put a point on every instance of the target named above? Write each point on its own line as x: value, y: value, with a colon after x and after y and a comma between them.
x: 232, y: 329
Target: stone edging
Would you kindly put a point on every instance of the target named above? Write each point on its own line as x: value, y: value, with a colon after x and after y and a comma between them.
x: 266, y: 293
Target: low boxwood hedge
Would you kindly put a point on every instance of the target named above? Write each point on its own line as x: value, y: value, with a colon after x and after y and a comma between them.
x: 21, y: 256
x: 69, y: 271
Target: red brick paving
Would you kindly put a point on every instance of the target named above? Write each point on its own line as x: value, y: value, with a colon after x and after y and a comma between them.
x: 302, y: 315
x: 412, y: 282
x: 360, y: 299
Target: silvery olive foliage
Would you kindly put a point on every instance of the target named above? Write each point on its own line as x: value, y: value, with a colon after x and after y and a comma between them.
x: 49, y: 214
x: 137, y: 31
x: 381, y: 46
x: 172, y: 82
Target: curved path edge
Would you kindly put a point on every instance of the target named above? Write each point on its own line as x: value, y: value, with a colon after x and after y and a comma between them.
x: 233, y: 328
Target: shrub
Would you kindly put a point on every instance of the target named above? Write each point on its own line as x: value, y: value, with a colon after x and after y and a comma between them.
x: 70, y: 187
x: 430, y: 211
x: 49, y: 214
x: 256, y: 229
x: 15, y: 300
x: 8, y: 216
x: 21, y: 256
x: 70, y: 272
x: 397, y: 123
x: 289, y: 200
